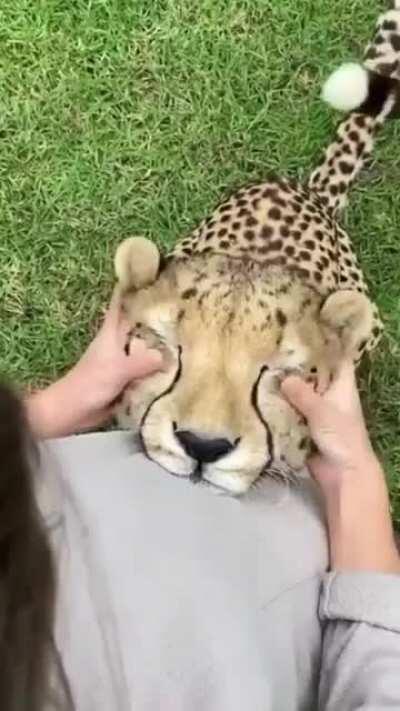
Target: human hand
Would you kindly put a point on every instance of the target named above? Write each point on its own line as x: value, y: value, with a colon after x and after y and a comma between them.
x: 336, y: 423
x: 350, y: 476
x: 84, y: 397
x: 105, y: 368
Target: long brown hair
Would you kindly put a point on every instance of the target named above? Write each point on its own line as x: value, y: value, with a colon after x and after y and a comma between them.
x: 31, y: 677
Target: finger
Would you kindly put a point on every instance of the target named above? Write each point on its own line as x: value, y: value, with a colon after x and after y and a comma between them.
x: 315, y: 464
x: 326, y: 474
x: 123, y: 331
x: 343, y: 390
x: 320, y: 469
x: 114, y: 312
x: 345, y: 374
x: 142, y: 360
x: 301, y: 395
x: 323, y: 380
x: 96, y: 419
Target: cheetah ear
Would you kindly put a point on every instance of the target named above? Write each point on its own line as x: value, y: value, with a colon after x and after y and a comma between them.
x: 349, y: 315
x: 137, y: 263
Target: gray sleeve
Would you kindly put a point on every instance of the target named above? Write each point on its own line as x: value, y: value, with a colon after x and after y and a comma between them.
x: 360, y: 667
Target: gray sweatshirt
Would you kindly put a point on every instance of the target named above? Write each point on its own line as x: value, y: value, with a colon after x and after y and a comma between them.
x: 175, y: 598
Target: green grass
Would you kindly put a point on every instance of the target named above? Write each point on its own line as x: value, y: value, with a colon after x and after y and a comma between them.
x: 122, y: 117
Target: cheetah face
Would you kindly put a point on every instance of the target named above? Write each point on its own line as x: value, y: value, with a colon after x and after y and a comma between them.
x: 228, y: 332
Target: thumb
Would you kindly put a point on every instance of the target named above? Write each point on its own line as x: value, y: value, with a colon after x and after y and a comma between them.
x: 142, y: 360
x: 318, y: 467
x: 301, y: 395
x: 325, y: 473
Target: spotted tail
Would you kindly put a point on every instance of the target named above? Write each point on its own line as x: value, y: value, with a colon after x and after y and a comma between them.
x: 372, y: 94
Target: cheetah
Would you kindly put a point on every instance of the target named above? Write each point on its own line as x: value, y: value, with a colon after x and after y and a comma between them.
x: 268, y: 284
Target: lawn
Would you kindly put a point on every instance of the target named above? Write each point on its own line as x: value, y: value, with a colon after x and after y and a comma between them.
x: 122, y: 117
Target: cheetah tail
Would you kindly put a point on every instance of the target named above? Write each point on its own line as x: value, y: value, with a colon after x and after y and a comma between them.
x: 371, y: 93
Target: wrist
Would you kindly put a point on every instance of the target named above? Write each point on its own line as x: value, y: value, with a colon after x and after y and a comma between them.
x: 56, y: 411
x: 364, y: 551
x: 359, y: 472
x: 359, y: 524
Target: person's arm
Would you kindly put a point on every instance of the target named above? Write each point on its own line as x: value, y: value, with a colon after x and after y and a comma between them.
x: 361, y: 642
x: 360, y: 597
x: 83, y: 398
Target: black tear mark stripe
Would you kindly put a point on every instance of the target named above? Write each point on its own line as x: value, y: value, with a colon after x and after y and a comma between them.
x: 156, y: 399
x: 254, y: 402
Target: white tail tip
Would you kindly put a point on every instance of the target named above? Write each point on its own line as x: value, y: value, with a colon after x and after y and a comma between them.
x: 347, y: 87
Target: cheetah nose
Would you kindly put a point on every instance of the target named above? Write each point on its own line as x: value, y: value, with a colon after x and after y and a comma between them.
x: 203, y: 449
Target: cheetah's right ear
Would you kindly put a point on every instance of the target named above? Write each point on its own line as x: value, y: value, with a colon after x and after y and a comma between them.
x: 348, y: 314
x: 137, y: 263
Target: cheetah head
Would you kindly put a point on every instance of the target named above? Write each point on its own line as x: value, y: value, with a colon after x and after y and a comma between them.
x: 229, y: 330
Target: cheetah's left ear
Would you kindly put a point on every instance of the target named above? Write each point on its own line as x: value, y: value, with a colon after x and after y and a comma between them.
x: 137, y: 263
x: 349, y: 315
